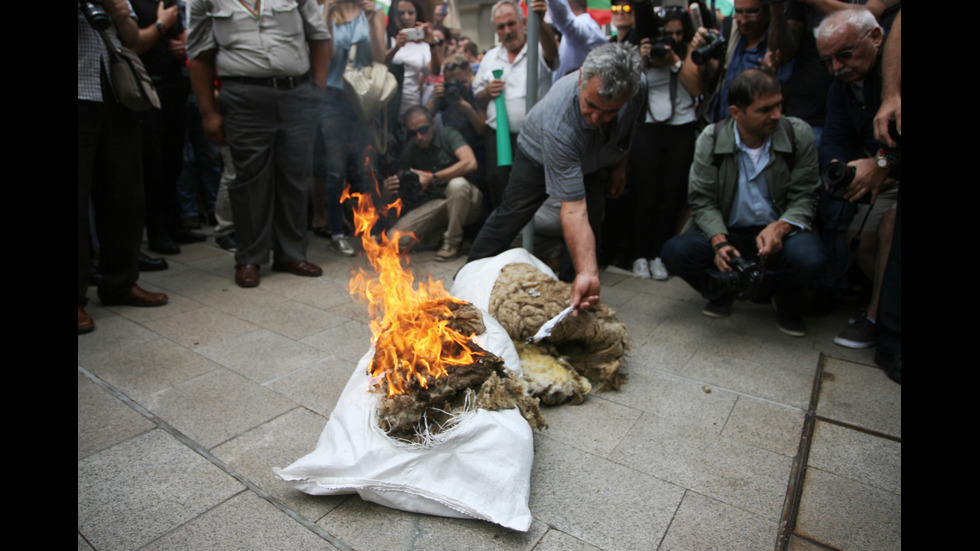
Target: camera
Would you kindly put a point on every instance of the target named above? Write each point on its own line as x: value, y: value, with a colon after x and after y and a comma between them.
x: 454, y: 92
x: 714, y: 49
x: 415, y: 34
x: 745, y: 279
x: 410, y: 189
x: 95, y: 14
x: 837, y: 176
x: 660, y: 43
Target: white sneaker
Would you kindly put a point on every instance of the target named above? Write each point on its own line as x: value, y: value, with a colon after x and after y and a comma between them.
x: 641, y: 268
x: 658, y: 270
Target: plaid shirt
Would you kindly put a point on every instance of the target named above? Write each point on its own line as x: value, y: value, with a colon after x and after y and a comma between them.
x: 91, y: 54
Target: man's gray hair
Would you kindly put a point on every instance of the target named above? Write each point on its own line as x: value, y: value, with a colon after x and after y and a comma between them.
x: 858, y: 18
x: 618, y: 68
x: 500, y: 4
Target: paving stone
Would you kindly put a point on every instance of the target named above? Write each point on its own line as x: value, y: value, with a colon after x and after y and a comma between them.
x: 365, y: 525
x: 217, y: 406
x: 556, y: 540
x: 845, y: 514
x: 861, y: 395
x: 243, y: 522
x: 278, y: 443
x: 262, y: 355
x: 705, y: 523
x: 857, y: 455
x: 103, y: 420
x: 200, y: 327
x: 595, y: 426
x: 598, y: 501
x: 766, y: 425
x: 140, y: 489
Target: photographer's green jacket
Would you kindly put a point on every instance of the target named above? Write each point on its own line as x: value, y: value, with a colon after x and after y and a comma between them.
x: 792, y: 176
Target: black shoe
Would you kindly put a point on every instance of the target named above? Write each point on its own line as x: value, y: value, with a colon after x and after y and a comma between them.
x: 227, y: 242
x: 150, y: 264
x: 187, y: 236
x: 891, y: 363
x: 163, y: 246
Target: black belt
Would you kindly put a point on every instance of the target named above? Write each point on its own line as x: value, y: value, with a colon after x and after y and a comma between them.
x: 279, y: 83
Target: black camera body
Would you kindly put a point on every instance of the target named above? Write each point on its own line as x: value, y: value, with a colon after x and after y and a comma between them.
x: 837, y: 176
x: 745, y: 279
x: 714, y: 49
x: 661, y: 43
x: 95, y: 14
x: 410, y: 189
x: 454, y: 92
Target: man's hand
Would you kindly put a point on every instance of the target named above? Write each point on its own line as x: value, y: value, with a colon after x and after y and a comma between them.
x: 214, y: 128
x: 178, y: 47
x: 539, y: 7
x: 585, y: 292
x: 425, y: 178
x: 770, y: 63
x: 167, y: 16
x: 770, y: 239
x: 723, y: 255
x: 495, y: 87
x: 617, y: 180
x: 868, y: 178
x: 890, y: 110
x: 389, y: 188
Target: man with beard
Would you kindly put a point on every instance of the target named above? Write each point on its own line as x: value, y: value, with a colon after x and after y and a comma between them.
x: 511, y: 57
x: 752, y: 192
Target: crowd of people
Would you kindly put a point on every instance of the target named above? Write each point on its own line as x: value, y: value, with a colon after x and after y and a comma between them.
x: 756, y: 156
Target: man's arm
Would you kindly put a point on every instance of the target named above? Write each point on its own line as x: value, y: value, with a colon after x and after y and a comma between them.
x: 581, y: 245
x: 150, y: 34
x: 704, y: 189
x: 801, y: 190
x: 891, y: 85
x: 546, y: 36
x: 321, y: 51
x: 202, y: 71
x: 119, y: 11
x: 784, y: 35
x: 465, y: 164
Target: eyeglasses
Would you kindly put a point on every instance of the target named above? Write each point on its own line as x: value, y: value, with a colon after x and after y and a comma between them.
x: 625, y: 8
x: 452, y: 66
x: 420, y: 131
x: 845, y: 53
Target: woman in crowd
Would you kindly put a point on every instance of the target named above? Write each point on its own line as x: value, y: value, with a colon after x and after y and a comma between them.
x: 342, y: 140
x: 663, y: 146
x: 408, y: 55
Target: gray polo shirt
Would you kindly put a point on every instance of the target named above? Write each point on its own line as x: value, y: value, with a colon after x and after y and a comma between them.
x: 270, y: 43
x: 556, y: 137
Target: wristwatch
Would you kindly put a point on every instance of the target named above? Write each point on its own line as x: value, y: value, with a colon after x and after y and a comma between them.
x: 885, y: 159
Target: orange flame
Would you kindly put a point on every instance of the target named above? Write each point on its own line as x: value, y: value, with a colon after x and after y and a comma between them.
x: 413, y: 342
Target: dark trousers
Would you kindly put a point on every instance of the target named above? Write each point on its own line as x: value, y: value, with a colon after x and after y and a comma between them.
x: 526, y: 192
x: 497, y: 176
x: 888, y: 326
x: 800, y: 262
x: 110, y: 175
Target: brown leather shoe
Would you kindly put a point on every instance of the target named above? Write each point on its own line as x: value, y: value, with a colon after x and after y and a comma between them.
x: 247, y: 275
x: 300, y: 268
x: 134, y: 296
x: 85, y: 322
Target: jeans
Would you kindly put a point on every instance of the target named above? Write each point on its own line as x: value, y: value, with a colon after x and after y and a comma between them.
x: 800, y: 262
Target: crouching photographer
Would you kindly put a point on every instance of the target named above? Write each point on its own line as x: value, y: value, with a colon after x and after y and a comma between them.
x: 432, y: 182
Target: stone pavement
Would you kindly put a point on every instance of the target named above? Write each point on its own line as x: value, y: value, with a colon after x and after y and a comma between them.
x: 728, y: 434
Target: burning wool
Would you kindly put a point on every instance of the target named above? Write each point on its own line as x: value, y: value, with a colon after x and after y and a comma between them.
x: 426, y: 363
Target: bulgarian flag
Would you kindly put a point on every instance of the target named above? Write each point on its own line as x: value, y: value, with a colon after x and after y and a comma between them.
x: 600, y: 10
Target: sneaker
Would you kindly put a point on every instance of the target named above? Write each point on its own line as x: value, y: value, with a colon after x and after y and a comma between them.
x: 719, y: 308
x: 342, y: 246
x: 791, y: 327
x: 641, y: 268
x: 447, y: 252
x: 657, y: 269
x: 794, y: 327
x: 858, y: 335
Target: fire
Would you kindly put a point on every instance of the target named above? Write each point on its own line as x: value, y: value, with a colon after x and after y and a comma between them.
x: 413, y: 342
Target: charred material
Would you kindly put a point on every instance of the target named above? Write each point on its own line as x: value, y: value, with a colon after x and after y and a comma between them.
x: 426, y: 405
